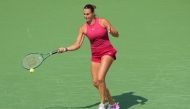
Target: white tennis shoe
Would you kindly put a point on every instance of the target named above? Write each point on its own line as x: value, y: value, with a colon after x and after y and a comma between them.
x: 102, y: 106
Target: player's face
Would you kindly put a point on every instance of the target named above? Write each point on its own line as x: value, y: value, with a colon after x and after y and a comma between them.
x: 88, y: 15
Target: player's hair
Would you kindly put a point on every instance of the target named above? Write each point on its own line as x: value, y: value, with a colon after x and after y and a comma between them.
x: 90, y: 6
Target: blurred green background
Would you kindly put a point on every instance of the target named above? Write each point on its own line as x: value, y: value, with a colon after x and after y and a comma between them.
x: 153, y: 59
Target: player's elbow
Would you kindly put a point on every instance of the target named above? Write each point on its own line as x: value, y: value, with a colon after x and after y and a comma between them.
x: 115, y: 34
x: 77, y: 46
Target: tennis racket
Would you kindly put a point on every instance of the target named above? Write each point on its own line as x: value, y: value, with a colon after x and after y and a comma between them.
x: 34, y: 60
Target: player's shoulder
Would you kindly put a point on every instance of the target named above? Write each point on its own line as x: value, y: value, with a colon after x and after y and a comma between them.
x: 83, y: 25
x: 103, y: 20
x: 82, y: 28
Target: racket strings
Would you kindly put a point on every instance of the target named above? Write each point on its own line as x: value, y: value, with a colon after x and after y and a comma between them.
x: 32, y: 61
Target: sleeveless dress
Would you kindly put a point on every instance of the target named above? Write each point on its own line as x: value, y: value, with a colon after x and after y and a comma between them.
x: 99, y: 41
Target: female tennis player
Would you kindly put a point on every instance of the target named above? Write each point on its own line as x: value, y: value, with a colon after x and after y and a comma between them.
x: 103, y: 53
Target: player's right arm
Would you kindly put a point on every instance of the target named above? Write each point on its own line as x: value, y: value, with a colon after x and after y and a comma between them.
x: 77, y: 44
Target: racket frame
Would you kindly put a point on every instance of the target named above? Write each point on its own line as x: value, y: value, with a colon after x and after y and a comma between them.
x: 43, y: 55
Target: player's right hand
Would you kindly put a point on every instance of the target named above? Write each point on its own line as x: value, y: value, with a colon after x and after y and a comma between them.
x: 61, y: 50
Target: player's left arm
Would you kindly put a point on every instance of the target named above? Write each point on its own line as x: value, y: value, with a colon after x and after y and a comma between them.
x: 110, y: 28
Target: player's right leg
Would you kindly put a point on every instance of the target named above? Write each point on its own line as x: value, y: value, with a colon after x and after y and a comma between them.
x: 94, y: 71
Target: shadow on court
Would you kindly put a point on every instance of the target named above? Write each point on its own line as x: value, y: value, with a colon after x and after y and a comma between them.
x: 126, y: 100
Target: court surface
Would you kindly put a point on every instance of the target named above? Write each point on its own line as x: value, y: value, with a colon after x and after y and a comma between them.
x: 153, y: 60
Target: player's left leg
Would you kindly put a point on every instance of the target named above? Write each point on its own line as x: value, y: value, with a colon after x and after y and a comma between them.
x: 106, y: 62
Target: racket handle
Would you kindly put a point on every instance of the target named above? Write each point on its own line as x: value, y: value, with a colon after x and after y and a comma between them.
x: 54, y: 52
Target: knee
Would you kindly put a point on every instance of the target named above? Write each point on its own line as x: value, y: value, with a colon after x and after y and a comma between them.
x: 98, y: 82
x: 101, y: 81
x: 95, y: 83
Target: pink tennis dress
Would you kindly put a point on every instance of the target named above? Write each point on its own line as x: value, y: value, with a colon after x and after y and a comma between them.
x: 99, y: 41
